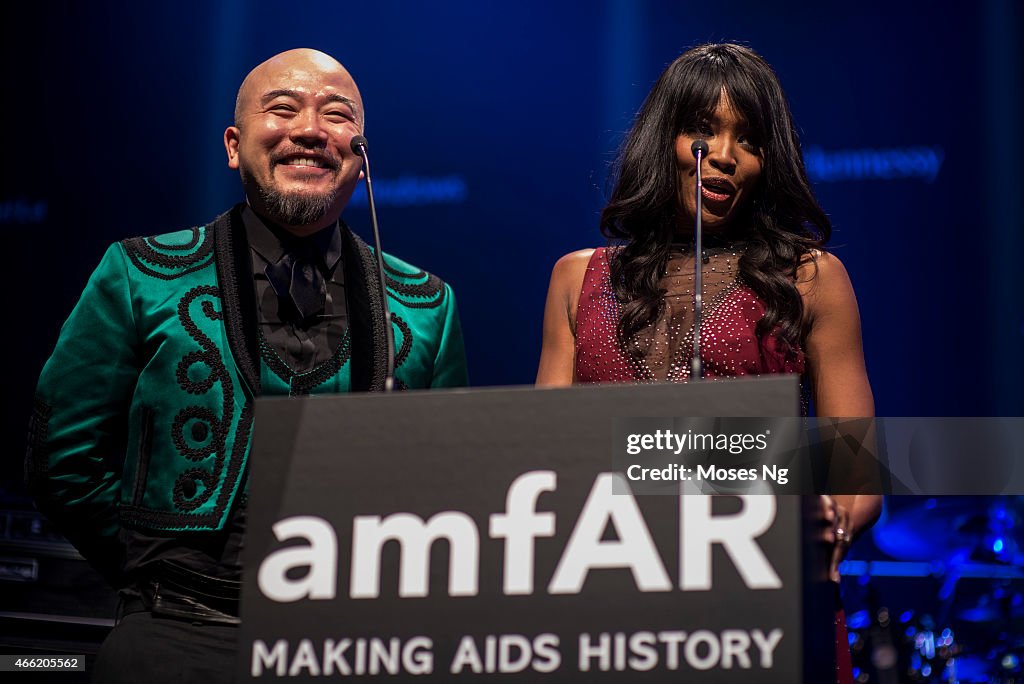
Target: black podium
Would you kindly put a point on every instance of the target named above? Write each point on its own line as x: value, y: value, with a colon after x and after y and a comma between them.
x: 475, y: 534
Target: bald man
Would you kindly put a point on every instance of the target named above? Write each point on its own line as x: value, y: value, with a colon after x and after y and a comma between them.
x: 142, y: 423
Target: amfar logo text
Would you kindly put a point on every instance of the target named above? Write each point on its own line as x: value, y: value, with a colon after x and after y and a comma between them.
x: 519, y: 526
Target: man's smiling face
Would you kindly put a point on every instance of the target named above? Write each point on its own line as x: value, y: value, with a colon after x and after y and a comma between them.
x: 294, y: 121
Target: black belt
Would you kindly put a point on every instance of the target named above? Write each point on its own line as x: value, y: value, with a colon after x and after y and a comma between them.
x: 171, y: 590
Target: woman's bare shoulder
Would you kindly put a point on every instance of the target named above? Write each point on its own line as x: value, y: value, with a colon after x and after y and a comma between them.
x: 823, y: 282
x: 577, y: 260
x: 570, y: 269
x: 821, y: 266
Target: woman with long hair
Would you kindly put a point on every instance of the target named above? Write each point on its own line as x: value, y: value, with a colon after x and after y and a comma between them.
x: 775, y: 301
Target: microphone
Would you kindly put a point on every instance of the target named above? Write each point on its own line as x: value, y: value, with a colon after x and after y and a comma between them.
x: 699, y: 148
x: 359, y: 146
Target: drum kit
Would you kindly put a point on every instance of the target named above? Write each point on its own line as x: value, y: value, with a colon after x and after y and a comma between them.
x: 962, y: 620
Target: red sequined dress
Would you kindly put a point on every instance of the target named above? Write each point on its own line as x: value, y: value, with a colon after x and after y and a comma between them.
x: 729, y: 343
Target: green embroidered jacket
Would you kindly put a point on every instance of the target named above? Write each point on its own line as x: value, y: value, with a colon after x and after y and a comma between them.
x: 143, y: 414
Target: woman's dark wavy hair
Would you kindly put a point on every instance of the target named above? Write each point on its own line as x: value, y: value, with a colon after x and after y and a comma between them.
x: 781, y: 223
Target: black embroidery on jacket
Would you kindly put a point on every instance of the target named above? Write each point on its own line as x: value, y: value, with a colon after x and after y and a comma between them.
x: 199, y: 371
x: 195, y: 486
x: 403, y: 353
x: 184, y: 248
x: 202, y: 423
x: 388, y: 268
x: 325, y: 371
x: 238, y: 451
x: 274, y: 362
x: 238, y: 296
x: 303, y: 383
x: 432, y: 289
x: 366, y: 263
x: 145, y: 254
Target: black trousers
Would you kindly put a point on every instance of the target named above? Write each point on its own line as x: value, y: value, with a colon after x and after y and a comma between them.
x: 148, y: 649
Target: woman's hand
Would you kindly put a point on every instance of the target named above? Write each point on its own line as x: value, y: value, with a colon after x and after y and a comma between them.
x: 836, y: 532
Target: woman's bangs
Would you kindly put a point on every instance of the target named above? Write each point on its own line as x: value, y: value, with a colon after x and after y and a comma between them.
x: 700, y: 90
x: 746, y: 99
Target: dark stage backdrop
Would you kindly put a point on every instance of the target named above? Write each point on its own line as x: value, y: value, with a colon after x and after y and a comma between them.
x: 492, y: 126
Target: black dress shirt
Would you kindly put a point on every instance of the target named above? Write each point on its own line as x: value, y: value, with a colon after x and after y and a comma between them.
x: 301, y: 344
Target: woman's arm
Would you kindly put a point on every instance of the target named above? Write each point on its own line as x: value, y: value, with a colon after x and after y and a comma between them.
x: 835, y: 364
x: 835, y: 353
x: 558, y: 350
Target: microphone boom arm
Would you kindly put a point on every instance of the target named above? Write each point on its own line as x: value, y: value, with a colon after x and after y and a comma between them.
x: 359, y: 146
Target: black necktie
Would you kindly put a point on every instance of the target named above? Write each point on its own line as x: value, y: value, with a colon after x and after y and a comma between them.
x: 296, y: 278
